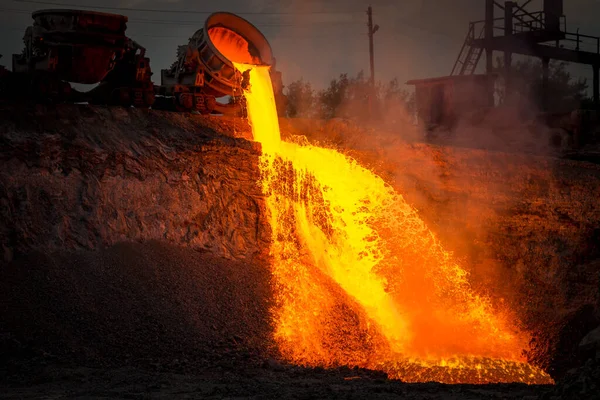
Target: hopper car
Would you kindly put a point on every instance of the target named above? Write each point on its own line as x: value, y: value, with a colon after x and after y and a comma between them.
x: 67, y: 47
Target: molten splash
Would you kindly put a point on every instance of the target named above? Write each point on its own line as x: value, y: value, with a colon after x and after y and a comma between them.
x: 360, y: 280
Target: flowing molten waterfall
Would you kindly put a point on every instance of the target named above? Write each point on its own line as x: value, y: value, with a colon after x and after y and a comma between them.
x: 360, y: 280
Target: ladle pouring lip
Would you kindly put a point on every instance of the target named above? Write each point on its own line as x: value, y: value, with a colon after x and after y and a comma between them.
x: 245, y: 29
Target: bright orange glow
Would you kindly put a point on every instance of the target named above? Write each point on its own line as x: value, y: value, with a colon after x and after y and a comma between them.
x: 231, y: 45
x: 359, y: 278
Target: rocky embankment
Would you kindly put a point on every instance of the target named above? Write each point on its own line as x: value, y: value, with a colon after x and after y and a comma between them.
x: 79, y: 177
x: 134, y: 237
x: 129, y: 237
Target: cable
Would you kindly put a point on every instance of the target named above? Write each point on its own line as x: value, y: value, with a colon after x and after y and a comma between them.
x: 165, y: 22
x: 184, y: 38
x: 195, y: 23
x: 52, y: 3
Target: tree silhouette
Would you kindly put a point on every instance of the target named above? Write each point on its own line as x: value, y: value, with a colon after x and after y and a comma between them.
x: 526, y: 83
x: 347, y: 97
x: 301, y: 100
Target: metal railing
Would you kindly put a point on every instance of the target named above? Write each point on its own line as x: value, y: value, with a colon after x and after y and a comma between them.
x: 580, y: 39
x: 480, y: 26
x: 536, y: 22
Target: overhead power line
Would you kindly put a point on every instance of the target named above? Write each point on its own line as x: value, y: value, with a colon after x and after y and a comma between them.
x: 184, y: 37
x: 53, y: 3
x: 259, y: 24
x: 196, y: 23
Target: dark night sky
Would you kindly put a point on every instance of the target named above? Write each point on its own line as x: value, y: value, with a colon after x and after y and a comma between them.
x: 417, y: 38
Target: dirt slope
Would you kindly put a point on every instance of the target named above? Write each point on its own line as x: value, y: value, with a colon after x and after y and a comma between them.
x: 81, y: 177
x: 133, y: 302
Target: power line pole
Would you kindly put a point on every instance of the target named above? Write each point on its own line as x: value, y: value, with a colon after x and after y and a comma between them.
x: 372, y: 30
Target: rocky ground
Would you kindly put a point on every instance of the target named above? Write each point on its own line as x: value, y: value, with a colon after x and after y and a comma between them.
x: 104, y: 294
x: 256, y: 383
x: 155, y: 320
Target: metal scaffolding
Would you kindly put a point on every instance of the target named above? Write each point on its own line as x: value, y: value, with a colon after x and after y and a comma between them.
x: 541, y: 34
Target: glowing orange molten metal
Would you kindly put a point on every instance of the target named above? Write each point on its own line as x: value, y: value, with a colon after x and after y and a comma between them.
x: 360, y: 280
x: 231, y: 45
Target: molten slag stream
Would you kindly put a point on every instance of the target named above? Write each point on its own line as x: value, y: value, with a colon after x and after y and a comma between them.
x: 360, y: 280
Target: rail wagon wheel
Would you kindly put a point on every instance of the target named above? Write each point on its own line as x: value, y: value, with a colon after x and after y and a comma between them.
x: 138, y: 98
x: 200, y: 103
x: 149, y: 98
x: 210, y: 103
x: 185, y: 101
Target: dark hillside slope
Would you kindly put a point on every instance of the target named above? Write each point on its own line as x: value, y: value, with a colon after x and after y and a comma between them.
x: 80, y: 177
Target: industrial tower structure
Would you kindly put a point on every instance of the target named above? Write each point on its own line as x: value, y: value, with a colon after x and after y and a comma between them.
x: 542, y: 34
